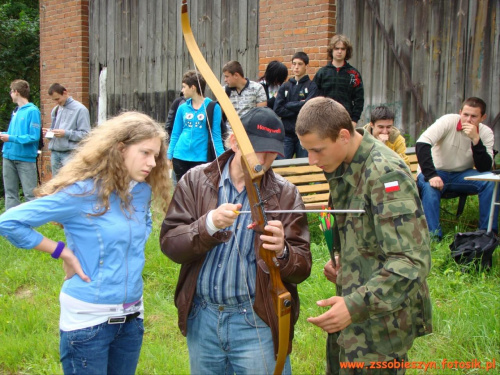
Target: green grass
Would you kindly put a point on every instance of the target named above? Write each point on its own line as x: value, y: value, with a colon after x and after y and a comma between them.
x: 465, y: 310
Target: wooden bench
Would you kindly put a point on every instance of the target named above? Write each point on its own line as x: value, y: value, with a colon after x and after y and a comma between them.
x: 314, y: 189
x: 309, y: 179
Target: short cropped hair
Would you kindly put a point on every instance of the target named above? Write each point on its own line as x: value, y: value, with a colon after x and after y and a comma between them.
x: 22, y: 87
x: 347, y: 44
x: 233, y: 67
x: 381, y: 113
x: 475, y: 103
x: 193, y: 78
x: 325, y: 117
x: 58, y: 88
x: 302, y: 56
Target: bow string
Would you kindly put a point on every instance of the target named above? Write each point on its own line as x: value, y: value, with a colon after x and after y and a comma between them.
x: 254, y: 172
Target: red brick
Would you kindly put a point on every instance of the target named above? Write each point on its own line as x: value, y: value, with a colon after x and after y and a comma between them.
x: 302, y: 26
x: 73, y: 72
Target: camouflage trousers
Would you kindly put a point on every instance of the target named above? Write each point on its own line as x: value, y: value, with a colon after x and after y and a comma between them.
x: 333, y: 357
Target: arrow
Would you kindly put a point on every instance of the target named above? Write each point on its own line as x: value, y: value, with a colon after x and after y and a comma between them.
x: 305, y: 211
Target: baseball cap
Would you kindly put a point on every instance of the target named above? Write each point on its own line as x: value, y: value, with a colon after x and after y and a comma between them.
x: 265, y: 130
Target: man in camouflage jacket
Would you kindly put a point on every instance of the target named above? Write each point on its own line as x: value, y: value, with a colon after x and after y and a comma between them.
x: 382, y: 301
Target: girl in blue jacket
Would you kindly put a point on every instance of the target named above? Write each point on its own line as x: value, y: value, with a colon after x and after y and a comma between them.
x: 102, y: 198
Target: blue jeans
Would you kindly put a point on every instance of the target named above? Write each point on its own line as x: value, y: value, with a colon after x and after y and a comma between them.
x: 226, y: 340
x: 58, y: 159
x: 293, y: 147
x: 454, y: 182
x: 102, y: 349
x: 15, y: 172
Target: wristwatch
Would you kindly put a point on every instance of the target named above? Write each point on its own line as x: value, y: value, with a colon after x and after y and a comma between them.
x: 285, y: 254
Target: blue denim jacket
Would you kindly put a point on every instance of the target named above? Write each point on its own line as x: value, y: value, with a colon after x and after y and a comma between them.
x: 109, y: 247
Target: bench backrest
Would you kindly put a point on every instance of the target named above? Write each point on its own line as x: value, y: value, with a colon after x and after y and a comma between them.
x: 412, y: 156
x: 311, y: 182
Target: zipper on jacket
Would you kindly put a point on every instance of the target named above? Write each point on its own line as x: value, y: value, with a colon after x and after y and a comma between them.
x: 126, y: 259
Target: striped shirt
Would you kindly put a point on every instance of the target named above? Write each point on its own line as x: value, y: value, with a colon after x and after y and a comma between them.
x: 228, y: 274
x: 252, y: 94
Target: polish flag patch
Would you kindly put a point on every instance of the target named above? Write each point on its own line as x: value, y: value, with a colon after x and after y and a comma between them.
x: 391, y: 186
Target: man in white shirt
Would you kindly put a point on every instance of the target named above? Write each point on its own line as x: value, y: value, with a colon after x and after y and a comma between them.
x: 447, y: 152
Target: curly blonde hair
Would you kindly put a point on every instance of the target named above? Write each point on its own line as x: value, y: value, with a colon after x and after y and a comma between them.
x: 99, y: 157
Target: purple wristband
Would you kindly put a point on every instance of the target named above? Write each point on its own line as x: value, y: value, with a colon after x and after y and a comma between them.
x: 59, y: 248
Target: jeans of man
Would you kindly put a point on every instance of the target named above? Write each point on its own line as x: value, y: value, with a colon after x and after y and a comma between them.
x: 226, y: 339
x: 15, y: 172
x: 102, y: 349
x: 454, y: 182
x: 293, y: 147
x: 58, y: 159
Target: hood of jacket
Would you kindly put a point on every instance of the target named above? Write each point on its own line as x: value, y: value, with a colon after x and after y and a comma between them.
x: 26, y: 107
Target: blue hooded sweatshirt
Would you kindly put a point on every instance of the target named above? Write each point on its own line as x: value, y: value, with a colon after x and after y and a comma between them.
x: 24, y: 134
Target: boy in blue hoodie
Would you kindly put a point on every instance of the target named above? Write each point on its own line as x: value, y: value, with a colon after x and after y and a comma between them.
x: 20, y: 147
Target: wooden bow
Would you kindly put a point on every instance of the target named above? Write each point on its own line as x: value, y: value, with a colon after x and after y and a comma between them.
x: 253, y: 176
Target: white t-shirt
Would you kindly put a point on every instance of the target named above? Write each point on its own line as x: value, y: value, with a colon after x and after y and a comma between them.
x: 76, y: 314
x: 451, y: 148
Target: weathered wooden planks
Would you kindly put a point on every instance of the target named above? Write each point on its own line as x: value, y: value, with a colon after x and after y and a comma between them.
x: 141, y: 44
x: 423, y: 58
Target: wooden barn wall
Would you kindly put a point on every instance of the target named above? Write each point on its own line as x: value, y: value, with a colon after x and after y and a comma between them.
x: 423, y: 58
x: 141, y: 45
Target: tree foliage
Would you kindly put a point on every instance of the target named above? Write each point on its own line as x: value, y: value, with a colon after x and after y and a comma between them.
x: 19, y: 55
x: 19, y: 52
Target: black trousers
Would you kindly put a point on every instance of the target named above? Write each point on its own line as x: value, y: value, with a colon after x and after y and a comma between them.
x: 182, y: 166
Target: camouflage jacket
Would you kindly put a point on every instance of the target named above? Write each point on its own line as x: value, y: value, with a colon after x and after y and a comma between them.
x: 384, y: 254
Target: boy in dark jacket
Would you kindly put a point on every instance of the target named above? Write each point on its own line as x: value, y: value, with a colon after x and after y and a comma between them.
x: 341, y: 81
x: 292, y: 95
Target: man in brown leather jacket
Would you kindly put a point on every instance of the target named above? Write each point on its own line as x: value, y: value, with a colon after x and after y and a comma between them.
x: 222, y: 297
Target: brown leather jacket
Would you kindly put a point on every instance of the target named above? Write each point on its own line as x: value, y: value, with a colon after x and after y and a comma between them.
x: 185, y: 240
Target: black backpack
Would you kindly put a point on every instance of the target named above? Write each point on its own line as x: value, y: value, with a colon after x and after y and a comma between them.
x: 474, y: 248
x: 40, y: 141
x: 211, y: 156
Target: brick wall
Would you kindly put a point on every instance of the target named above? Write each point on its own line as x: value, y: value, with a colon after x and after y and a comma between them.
x: 285, y: 27
x: 290, y: 26
x: 64, y: 57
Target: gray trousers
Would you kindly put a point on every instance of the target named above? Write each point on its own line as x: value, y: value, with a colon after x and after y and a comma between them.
x: 15, y: 172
